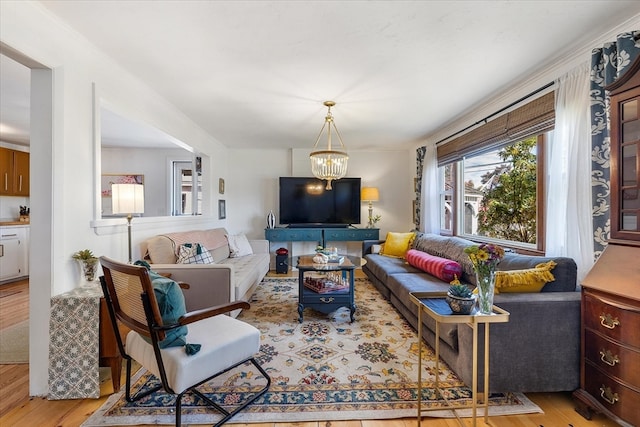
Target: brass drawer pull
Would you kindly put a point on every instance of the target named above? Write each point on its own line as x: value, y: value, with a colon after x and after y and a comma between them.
x: 327, y: 300
x: 607, y: 395
x: 608, y: 358
x: 608, y: 321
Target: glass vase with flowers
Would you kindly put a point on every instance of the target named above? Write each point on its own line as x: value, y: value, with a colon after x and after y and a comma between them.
x: 485, y: 257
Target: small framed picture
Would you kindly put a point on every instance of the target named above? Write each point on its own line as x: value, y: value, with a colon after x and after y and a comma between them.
x: 221, y: 185
x: 222, y: 209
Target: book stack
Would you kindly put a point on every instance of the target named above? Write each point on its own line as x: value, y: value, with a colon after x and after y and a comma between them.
x: 326, y: 284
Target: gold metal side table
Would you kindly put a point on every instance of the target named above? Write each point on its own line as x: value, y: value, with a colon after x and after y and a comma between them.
x: 436, y: 307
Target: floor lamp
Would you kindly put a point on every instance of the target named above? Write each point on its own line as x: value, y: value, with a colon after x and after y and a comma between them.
x: 370, y: 194
x: 128, y: 199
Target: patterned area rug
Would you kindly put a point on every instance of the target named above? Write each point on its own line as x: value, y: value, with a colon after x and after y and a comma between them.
x: 322, y: 369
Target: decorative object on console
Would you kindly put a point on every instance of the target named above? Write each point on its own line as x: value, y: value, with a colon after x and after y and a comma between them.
x: 320, y: 258
x: 271, y: 219
x: 370, y: 195
x: 128, y: 199
x: 460, y: 298
x: 88, y: 264
x: 329, y: 164
x: 485, y: 257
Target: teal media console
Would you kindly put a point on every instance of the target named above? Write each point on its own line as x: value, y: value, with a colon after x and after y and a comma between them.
x: 321, y: 235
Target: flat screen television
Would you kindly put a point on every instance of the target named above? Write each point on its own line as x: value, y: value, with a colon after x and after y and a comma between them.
x: 304, y: 202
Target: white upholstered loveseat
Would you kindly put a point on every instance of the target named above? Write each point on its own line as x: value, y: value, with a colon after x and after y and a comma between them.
x: 227, y: 279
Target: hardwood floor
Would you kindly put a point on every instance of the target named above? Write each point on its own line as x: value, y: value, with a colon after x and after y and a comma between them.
x: 18, y: 409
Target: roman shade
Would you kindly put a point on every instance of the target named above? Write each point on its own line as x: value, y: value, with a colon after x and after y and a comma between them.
x: 533, y: 118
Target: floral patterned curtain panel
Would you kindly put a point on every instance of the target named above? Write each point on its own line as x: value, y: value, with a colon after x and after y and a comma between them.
x: 417, y: 208
x: 607, y: 64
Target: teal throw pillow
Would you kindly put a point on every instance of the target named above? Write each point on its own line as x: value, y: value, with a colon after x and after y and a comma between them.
x: 172, y: 306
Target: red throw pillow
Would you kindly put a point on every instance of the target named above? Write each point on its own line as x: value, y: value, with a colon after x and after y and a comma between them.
x: 442, y: 268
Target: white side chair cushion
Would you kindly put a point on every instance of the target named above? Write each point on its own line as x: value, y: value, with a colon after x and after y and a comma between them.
x: 225, y: 341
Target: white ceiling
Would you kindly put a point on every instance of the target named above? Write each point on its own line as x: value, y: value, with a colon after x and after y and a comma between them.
x: 256, y: 73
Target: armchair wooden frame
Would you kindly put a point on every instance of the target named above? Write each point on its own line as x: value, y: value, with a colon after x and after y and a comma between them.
x: 131, y: 300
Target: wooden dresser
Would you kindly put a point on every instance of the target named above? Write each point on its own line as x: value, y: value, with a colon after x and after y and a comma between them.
x: 610, y: 358
x: 610, y: 363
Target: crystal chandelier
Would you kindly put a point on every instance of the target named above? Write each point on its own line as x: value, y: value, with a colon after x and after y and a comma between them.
x: 329, y: 164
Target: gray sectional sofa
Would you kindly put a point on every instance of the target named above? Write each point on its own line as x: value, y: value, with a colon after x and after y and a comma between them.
x: 538, y: 350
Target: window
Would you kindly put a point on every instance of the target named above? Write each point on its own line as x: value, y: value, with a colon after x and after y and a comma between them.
x: 446, y: 184
x: 187, y: 190
x: 496, y: 175
x: 498, y: 193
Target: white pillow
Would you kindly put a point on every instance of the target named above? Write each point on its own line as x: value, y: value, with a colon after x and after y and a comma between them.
x: 239, y: 245
x: 193, y: 253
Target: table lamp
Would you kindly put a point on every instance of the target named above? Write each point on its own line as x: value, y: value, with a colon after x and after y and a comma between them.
x: 128, y: 199
x: 370, y: 194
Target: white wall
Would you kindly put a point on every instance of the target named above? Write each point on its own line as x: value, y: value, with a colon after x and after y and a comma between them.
x: 253, y: 189
x: 63, y: 223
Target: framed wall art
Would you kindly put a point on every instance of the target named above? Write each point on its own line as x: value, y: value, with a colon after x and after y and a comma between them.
x: 222, y: 209
x: 221, y: 185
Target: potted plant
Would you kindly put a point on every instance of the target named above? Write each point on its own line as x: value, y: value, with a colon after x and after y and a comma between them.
x: 460, y: 298
x: 88, y: 264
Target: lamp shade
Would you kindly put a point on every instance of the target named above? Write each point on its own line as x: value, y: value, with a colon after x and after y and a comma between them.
x: 370, y: 194
x: 127, y: 198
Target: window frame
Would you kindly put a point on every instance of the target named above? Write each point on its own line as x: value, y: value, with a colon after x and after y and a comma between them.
x: 458, y: 201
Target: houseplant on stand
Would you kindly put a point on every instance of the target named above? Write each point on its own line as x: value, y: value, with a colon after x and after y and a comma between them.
x: 485, y: 257
x: 460, y: 298
x: 88, y: 264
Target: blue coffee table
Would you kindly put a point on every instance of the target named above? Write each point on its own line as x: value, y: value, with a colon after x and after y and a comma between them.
x: 327, y: 302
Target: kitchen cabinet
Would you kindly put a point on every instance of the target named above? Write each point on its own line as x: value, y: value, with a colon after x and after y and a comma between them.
x: 14, y: 172
x: 14, y: 252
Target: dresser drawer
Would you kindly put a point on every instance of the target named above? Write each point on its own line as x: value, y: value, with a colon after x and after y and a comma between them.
x: 340, y: 297
x: 293, y: 234
x: 619, y: 322
x: 613, y: 359
x: 617, y: 398
x: 351, y: 234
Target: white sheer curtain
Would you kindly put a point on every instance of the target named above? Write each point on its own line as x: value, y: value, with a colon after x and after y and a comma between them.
x: 430, y: 195
x: 568, y: 228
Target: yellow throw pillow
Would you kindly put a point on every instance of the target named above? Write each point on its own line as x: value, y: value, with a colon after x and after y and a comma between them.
x: 528, y: 280
x: 397, y: 244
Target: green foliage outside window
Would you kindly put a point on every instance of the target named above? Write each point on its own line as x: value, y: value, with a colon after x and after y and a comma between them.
x: 508, y: 207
